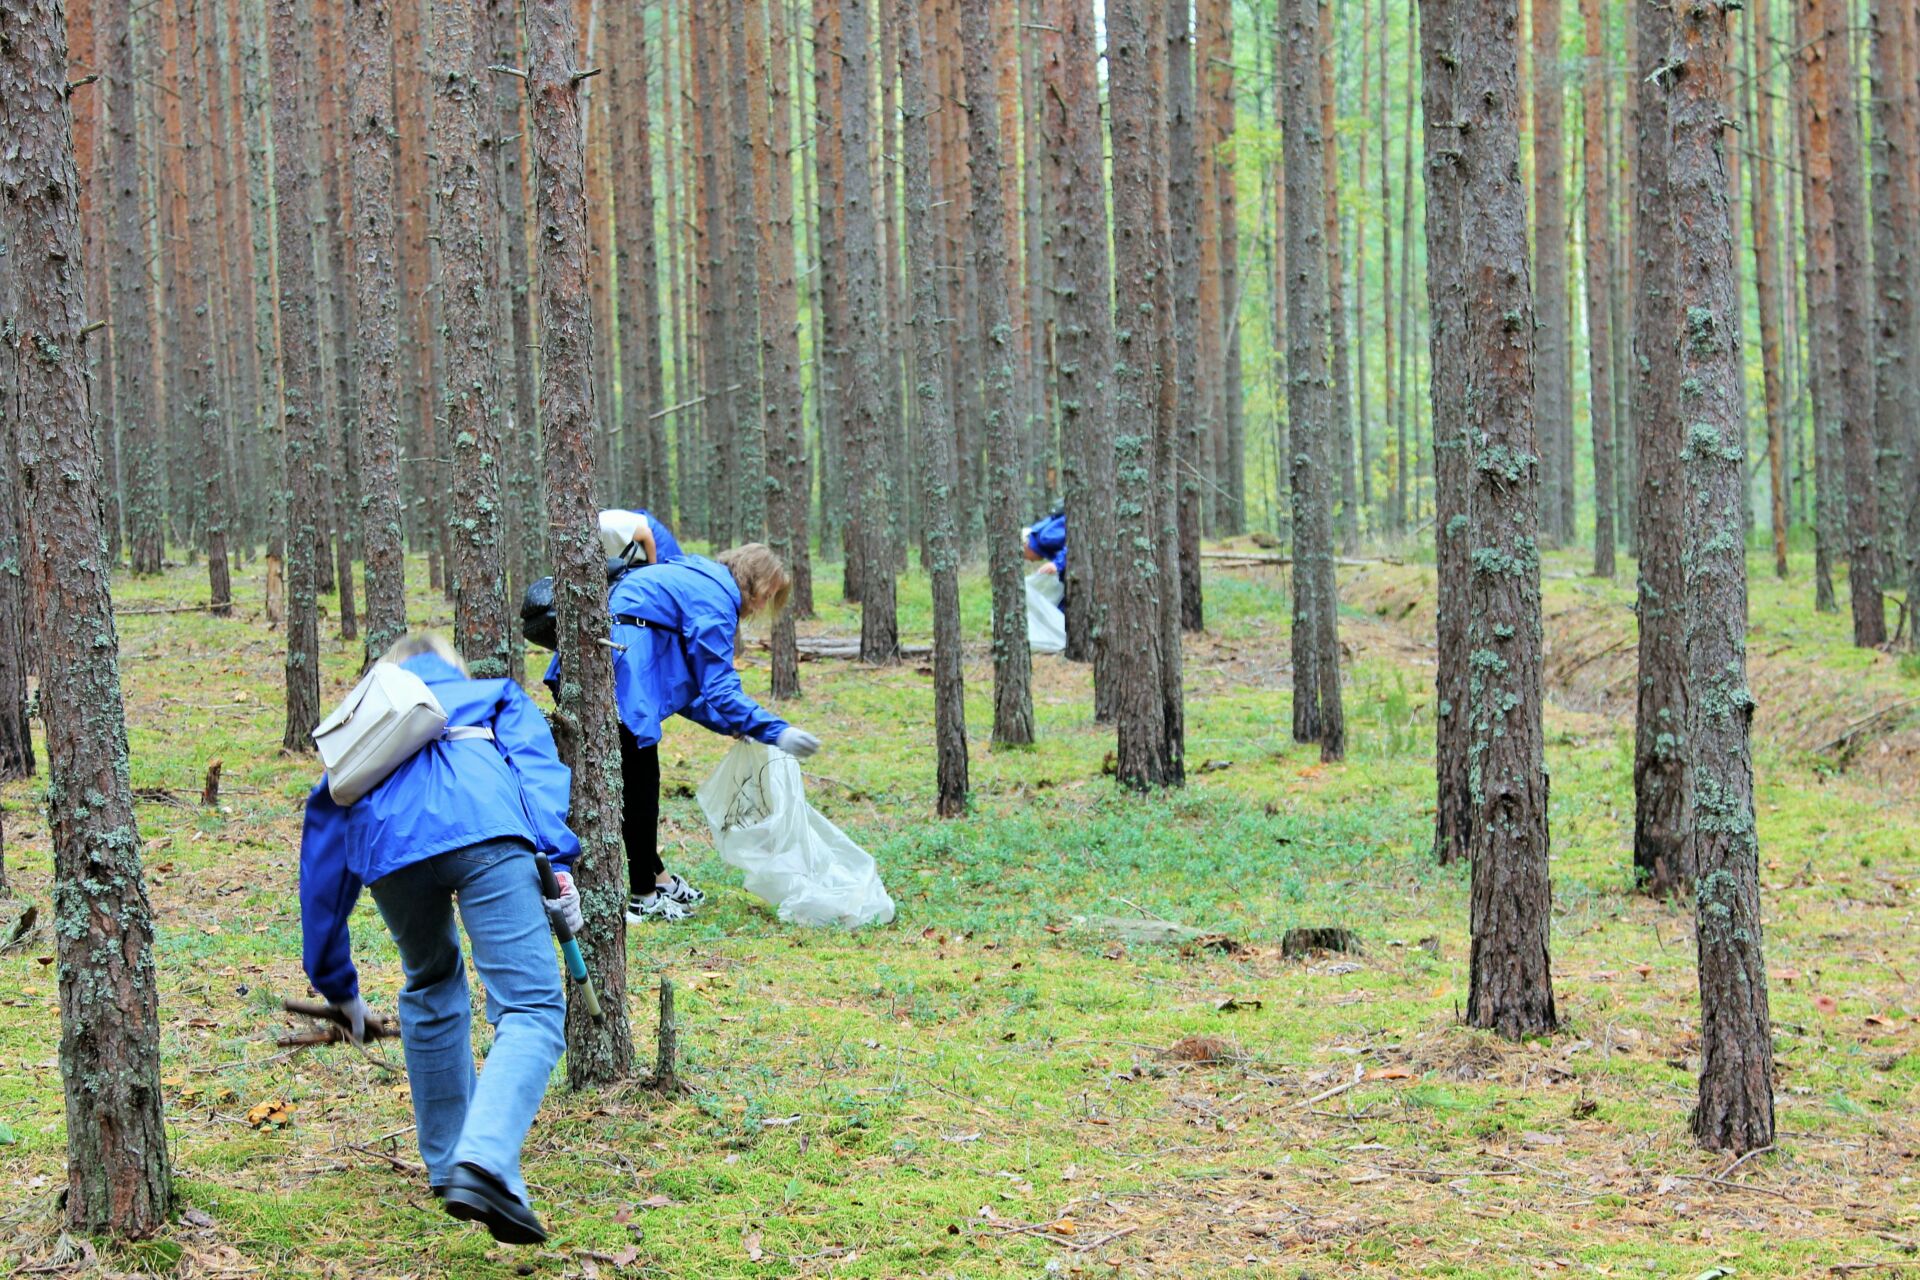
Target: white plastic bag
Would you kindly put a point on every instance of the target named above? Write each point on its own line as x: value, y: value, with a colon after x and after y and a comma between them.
x: 1046, y: 625
x: 795, y: 861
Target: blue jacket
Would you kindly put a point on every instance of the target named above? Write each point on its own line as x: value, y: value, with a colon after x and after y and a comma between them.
x: 1048, y: 539
x: 681, y: 662
x: 448, y: 796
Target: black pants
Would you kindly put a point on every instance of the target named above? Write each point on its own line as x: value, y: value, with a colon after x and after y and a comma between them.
x: 640, y: 818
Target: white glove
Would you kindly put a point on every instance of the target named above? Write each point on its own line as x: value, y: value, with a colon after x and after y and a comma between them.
x: 354, y: 1013
x: 565, y: 909
x: 797, y: 743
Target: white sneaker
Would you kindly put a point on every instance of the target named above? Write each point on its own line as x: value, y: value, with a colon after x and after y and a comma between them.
x: 655, y: 907
x: 681, y: 892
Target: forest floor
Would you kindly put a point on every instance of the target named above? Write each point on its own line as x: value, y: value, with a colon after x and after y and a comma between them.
x: 997, y: 1083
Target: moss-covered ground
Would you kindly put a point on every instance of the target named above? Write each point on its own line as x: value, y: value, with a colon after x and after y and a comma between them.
x: 996, y: 1084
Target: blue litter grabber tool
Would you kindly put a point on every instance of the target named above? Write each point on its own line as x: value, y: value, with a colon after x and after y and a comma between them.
x: 576, y: 964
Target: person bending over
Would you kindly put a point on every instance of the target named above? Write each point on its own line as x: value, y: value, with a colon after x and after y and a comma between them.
x: 1046, y: 540
x: 674, y: 626
x: 455, y: 829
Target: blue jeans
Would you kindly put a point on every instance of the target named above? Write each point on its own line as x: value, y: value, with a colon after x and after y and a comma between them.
x: 461, y: 1118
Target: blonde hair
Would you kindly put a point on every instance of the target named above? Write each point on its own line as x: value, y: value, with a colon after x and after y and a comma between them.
x: 415, y: 643
x: 765, y: 585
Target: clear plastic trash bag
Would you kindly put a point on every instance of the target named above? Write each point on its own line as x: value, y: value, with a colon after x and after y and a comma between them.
x: 795, y: 861
x: 1046, y: 625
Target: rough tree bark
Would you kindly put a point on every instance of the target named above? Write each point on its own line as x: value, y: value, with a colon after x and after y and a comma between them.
x: 1735, y: 1109
x: 377, y: 321
x: 937, y: 461
x: 1183, y: 213
x: 1231, y: 424
x: 597, y: 1052
x: 749, y: 424
x: 1510, y: 986
x: 1135, y: 41
x: 1811, y: 70
x: 1012, y: 658
x: 865, y: 338
x: 132, y: 333
x: 1317, y: 712
x: 1896, y: 401
x: 1853, y: 294
x: 1082, y: 280
x: 1766, y: 262
x: 1597, y: 237
x: 202, y: 390
x: 291, y: 56
x: 1341, y: 370
x: 16, y: 730
x: 118, y: 1176
x: 786, y: 436
x: 1660, y: 720
x: 1553, y: 389
x: 509, y: 130
x: 462, y: 217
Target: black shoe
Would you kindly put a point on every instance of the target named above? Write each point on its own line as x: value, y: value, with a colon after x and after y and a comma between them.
x: 474, y: 1195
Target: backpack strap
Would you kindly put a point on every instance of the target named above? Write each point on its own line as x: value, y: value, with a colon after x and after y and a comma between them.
x: 466, y: 733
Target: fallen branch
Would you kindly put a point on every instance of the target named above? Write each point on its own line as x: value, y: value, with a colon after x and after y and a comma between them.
x: 404, y: 1166
x: 335, y: 1029
x: 1261, y: 557
x: 1336, y: 1091
x: 1861, y: 725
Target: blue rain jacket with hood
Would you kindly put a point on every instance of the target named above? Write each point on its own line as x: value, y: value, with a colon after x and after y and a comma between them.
x: 1048, y: 540
x: 681, y: 661
x: 447, y: 796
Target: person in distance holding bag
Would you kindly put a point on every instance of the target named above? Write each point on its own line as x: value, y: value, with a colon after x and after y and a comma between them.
x: 456, y: 825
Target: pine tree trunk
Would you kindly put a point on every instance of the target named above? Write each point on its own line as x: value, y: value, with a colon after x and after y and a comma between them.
x: 830, y: 299
x: 1396, y: 510
x: 716, y: 338
x: 1552, y: 357
x: 426, y: 480
x: 202, y: 389
x: 1853, y: 291
x: 779, y: 318
x: 1446, y: 197
x: 462, y: 220
x: 1735, y: 1111
x: 16, y: 729
x: 1165, y: 530
x: 1597, y: 238
x: 376, y: 315
x: 1404, y: 472
x: 1317, y: 711
x: 1766, y: 264
x: 267, y: 357
x: 1510, y: 986
x: 134, y: 394
x: 749, y: 428
x: 503, y: 43
x: 865, y: 337
x: 1135, y: 41
x: 118, y: 1175
x: 937, y: 460
x: 1896, y: 404
x: 1082, y: 280
x: 1660, y: 721
x: 290, y: 55
x: 1812, y: 66
x: 339, y: 476
x: 1340, y: 439
x: 598, y: 1053
x: 1208, y: 319
x: 1012, y: 659
x: 1230, y: 471
x: 1183, y: 196
x: 626, y: 90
